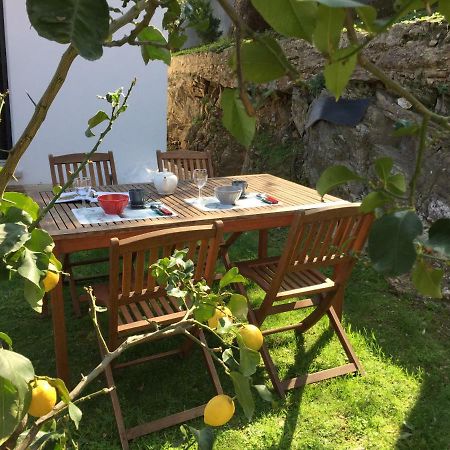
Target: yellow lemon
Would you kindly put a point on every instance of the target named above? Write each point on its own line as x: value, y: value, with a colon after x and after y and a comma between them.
x: 252, y: 337
x: 219, y: 410
x: 43, y: 399
x: 50, y: 280
x: 213, y: 322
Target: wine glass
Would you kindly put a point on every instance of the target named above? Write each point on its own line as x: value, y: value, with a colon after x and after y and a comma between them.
x: 82, y: 188
x: 200, y: 177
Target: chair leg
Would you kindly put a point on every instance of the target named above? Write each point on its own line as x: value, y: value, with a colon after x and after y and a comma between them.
x: 117, y: 409
x: 128, y: 434
x: 342, y: 336
x: 354, y: 365
x: 321, y: 309
x: 115, y: 402
x: 267, y: 359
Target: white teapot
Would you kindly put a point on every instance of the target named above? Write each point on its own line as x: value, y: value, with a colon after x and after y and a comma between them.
x: 165, y: 182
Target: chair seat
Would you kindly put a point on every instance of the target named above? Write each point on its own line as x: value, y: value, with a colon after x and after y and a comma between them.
x: 304, y: 282
x: 136, y: 316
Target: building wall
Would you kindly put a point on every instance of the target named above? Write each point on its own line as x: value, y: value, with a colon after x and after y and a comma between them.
x: 137, y: 134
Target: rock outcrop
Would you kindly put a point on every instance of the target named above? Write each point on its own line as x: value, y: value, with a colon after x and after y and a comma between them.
x: 415, y: 54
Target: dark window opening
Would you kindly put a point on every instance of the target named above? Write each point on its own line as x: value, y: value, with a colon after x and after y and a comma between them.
x: 5, y: 124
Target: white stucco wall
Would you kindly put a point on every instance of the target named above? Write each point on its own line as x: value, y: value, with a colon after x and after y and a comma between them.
x: 136, y: 135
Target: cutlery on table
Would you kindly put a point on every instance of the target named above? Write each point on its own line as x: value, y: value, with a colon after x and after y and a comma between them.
x: 267, y: 198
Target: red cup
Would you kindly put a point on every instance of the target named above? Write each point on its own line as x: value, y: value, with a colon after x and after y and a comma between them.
x: 113, y: 203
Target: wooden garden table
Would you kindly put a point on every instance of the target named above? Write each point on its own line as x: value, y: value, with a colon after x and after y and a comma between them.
x: 71, y: 236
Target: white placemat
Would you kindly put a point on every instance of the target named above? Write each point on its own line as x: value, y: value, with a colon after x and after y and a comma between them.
x: 88, y: 216
x: 212, y: 203
x: 67, y: 197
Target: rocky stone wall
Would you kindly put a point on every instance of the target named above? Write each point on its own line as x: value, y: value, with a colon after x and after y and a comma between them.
x: 415, y: 54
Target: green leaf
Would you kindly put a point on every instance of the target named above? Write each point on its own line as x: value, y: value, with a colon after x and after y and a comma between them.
x: 99, y: 117
x: 337, y: 74
x: 334, y: 176
x: 232, y: 276
x: 151, y: 52
x: 235, y: 118
x: 263, y: 392
x: 368, y: 16
x: 383, y: 168
x: 176, y: 40
x: 6, y: 339
x: 439, y: 236
x: 327, y: 32
x: 53, y: 260
x: 33, y: 294
x: 11, y: 410
x: 16, y: 215
x: 16, y: 372
x: 28, y: 268
x: 60, y: 386
x: 75, y: 414
x: 84, y: 23
x: 396, y: 184
x: 45, y: 438
x: 374, y: 200
x: 260, y: 62
x: 12, y: 237
x: 241, y: 385
x: 40, y: 241
x: 21, y: 201
x: 444, y: 9
x: 427, y: 280
x: 248, y: 359
x: 205, y: 437
x: 391, y: 246
x: 224, y: 325
x: 293, y: 18
x: 238, y: 306
x: 203, y: 312
x: 229, y: 360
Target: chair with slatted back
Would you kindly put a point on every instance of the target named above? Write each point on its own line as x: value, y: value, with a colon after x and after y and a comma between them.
x: 102, y: 171
x: 183, y: 162
x: 318, y: 240
x: 136, y: 303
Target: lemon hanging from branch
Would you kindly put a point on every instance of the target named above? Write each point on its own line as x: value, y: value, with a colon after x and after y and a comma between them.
x: 51, y: 278
x: 219, y: 410
x: 43, y: 398
x: 252, y: 337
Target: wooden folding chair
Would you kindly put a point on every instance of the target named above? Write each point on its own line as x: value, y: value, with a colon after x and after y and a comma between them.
x: 136, y: 303
x: 317, y: 240
x: 102, y: 171
x: 182, y: 163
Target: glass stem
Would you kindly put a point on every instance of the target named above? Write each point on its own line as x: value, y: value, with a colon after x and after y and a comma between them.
x: 199, y: 195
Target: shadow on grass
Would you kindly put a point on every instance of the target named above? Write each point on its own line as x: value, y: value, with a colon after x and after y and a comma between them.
x: 303, y: 360
x: 414, y: 338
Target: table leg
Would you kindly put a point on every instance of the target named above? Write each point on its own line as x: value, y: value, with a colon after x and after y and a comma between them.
x: 59, y: 332
x: 262, y: 243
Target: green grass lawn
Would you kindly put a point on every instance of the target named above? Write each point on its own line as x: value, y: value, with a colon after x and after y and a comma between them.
x: 403, y: 401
